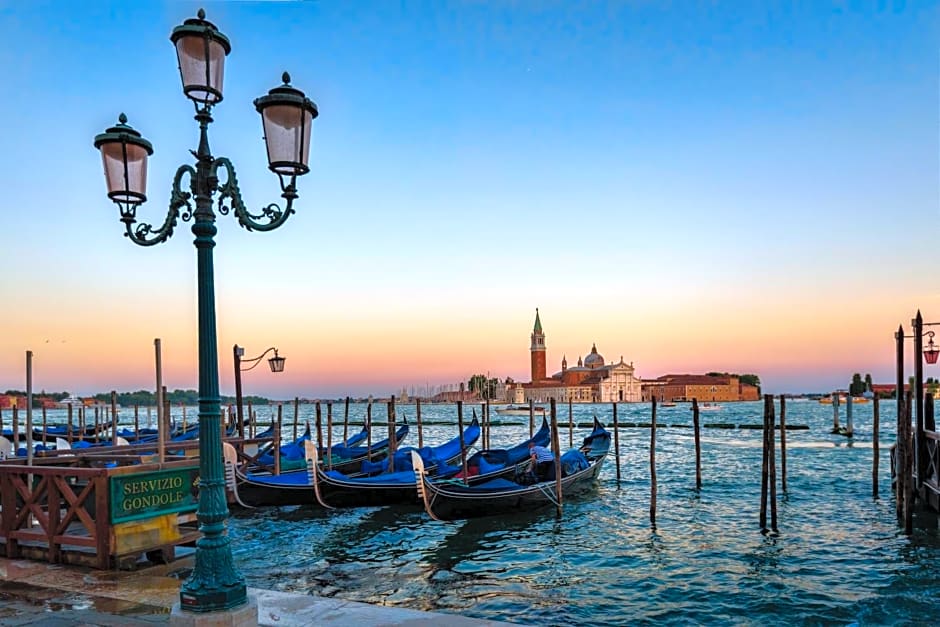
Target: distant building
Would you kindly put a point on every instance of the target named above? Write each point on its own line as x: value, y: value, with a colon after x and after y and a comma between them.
x: 591, y: 381
x: 685, y: 387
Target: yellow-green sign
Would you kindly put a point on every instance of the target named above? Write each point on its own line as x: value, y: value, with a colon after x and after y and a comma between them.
x: 149, y: 494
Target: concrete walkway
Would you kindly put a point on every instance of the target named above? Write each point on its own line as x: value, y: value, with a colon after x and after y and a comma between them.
x: 36, y: 593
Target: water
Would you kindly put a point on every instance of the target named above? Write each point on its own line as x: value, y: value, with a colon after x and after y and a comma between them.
x: 839, y: 556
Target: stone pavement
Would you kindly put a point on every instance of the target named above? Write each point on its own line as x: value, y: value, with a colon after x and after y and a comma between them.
x: 37, y: 593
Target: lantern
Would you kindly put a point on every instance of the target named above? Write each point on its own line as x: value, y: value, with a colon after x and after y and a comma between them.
x: 201, y: 51
x: 287, y: 117
x: 124, y: 155
x: 276, y: 362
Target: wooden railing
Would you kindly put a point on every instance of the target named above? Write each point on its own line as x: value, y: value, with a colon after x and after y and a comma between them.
x: 60, y: 510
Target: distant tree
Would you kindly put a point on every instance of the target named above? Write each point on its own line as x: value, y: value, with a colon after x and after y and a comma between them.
x: 857, y: 386
x: 868, y: 384
x: 478, y: 383
x: 750, y: 379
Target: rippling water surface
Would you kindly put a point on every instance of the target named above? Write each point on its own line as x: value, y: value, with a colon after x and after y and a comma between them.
x: 839, y: 556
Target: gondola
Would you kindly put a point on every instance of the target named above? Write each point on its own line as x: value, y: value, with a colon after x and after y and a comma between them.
x: 454, y: 500
x: 292, y: 454
x: 334, y: 489
x: 300, y: 487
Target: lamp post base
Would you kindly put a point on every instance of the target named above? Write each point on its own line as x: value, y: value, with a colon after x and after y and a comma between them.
x: 242, y: 616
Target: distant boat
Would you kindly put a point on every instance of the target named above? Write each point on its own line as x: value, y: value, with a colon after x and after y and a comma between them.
x: 710, y: 407
x: 519, y: 410
x: 667, y: 404
x: 70, y: 401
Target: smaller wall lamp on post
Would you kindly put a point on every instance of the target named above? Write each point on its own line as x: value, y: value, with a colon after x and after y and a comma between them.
x: 932, y: 351
x: 276, y: 363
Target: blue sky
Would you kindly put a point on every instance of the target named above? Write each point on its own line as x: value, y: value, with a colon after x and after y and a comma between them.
x: 682, y: 183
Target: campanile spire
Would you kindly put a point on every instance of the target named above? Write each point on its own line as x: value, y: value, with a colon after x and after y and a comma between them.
x: 538, y: 350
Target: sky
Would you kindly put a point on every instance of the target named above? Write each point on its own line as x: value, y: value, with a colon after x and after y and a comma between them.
x: 694, y: 186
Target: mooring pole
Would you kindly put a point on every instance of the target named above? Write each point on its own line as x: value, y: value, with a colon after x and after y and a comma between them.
x: 531, y: 418
x: 296, y: 416
x: 329, y: 434
x: 653, y: 466
x: 418, y: 412
x: 463, y: 445
x: 698, y: 445
x: 835, y: 412
x: 616, y: 443
x: 874, y: 448
x: 772, y: 462
x: 392, y: 440
x: 909, y: 467
x: 369, y: 430
x: 783, y: 442
x: 556, y: 445
x: 319, y: 428
x: 764, y: 472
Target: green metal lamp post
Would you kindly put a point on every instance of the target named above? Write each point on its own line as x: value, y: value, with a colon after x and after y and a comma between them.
x: 287, y: 115
x: 276, y: 363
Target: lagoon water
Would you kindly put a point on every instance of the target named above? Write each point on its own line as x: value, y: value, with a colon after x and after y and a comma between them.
x: 839, y: 556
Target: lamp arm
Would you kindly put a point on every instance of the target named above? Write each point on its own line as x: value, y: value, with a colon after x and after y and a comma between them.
x: 256, y: 360
x: 273, y: 215
x: 145, y: 234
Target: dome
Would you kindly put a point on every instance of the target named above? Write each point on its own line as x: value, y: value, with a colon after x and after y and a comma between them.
x: 594, y: 360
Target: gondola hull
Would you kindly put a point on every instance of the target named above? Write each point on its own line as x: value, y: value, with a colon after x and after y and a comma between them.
x: 453, y: 501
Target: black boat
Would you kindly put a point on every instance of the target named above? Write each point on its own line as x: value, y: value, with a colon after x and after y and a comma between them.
x: 334, y: 489
x: 453, y: 500
x: 300, y: 486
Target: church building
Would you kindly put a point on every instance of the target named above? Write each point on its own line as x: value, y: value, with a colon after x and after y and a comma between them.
x: 591, y: 381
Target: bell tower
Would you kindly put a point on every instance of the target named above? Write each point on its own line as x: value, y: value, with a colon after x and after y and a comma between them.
x: 538, y: 350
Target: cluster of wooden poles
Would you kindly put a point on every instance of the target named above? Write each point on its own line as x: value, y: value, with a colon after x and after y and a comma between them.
x: 906, y: 458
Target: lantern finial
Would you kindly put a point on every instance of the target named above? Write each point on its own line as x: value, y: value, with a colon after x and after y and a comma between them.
x: 286, y: 78
x: 122, y: 119
x: 201, y: 13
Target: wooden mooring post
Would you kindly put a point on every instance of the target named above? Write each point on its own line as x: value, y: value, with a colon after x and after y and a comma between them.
x: 319, y: 421
x: 369, y: 430
x: 556, y: 449
x: 392, y: 440
x: 653, y: 463
x: 783, y: 443
x: 329, y: 435
x: 296, y: 416
x: 835, y: 412
x: 531, y: 418
x: 908, y: 468
x: 114, y: 418
x: 874, y: 447
x: 16, y: 429
x: 769, y: 467
x: 463, y: 445
x: 698, y: 445
x: 277, y: 444
x: 616, y: 443
x: 418, y: 418
x: 346, y: 424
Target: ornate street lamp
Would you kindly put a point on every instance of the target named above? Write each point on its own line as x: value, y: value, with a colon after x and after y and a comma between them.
x: 287, y: 115
x: 276, y: 363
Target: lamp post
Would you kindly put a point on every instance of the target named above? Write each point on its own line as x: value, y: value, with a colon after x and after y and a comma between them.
x: 276, y: 363
x: 287, y: 115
